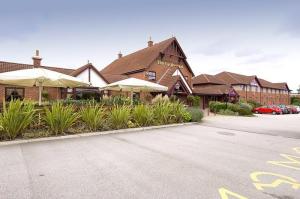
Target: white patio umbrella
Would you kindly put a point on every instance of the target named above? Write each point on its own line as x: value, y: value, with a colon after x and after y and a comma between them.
x: 40, y: 77
x: 135, y: 85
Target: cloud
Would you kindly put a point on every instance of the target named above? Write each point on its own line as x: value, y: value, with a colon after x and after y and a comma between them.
x: 216, y: 48
x: 263, y: 58
x: 248, y: 52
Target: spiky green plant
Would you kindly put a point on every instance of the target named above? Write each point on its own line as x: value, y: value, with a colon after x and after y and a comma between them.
x: 142, y: 115
x: 60, y: 118
x: 177, y: 111
x: 16, y: 118
x: 93, y: 116
x: 162, y: 111
x: 119, y: 117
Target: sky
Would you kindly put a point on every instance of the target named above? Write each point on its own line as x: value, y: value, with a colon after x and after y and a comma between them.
x: 251, y: 37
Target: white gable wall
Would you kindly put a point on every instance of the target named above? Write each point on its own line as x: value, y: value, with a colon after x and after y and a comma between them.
x: 177, y: 72
x: 96, y: 80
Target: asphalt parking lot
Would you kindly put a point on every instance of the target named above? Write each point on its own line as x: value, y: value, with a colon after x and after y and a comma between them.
x: 207, y: 161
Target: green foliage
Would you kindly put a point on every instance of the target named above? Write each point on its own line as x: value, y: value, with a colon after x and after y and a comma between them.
x: 196, y: 114
x: 254, y: 104
x: 142, y: 115
x: 93, y: 116
x: 190, y: 99
x: 216, y: 106
x: 186, y: 116
x: 60, y: 118
x: 16, y: 118
x: 242, y: 109
x: 227, y: 112
x: 45, y: 95
x: 196, y: 101
x: 162, y: 112
x: 173, y: 98
x: 295, y: 101
x: 177, y: 110
x: 119, y: 117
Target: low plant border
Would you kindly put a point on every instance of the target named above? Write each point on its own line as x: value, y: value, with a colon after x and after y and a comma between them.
x: 97, y: 133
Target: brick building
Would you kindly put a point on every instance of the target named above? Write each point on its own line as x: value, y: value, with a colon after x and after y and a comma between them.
x: 87, y: 73
x: 164, y: 63
x: 247, y: 88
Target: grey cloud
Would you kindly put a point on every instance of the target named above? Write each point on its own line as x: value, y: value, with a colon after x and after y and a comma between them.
x: 248, y: 52
x: 216, y: 48
x: 264, y: 58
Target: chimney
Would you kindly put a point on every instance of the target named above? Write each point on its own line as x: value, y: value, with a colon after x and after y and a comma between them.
x: 150, y: 42
x: 120, y: 55
x: 37, y: 59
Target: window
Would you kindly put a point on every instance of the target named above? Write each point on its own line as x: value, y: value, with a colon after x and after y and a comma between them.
x: 14, y: 93
x: 151, y: 75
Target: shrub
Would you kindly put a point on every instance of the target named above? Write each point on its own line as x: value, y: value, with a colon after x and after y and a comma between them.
x: 160, y: 98
x: 60, y: 118
x: 142, y: 115
x: 245, y: 109
x: 93, y: 116
x: 190, y: 99
x: 119, y: 117
x: 16, y: 118
x: 177, y: 110
x: 196, y: 114
x: 162, y: 112
x: 186, y: 116
x: 254, y: 104
x: 227, y: 112
x: 196, y: 101
x: 173, y: 98
x: 217, y: 106
x: 233, y: 107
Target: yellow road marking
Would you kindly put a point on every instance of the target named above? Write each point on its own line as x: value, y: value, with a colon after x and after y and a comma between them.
x: 225, y: 193
x: 276, y: 183
x: 297, y: 149
x: 293, y: 163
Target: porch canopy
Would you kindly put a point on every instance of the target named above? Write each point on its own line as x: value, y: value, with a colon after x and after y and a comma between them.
x: 40, y: 77
x: 135, y: 85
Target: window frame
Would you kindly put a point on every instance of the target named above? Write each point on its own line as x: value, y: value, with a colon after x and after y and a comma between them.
x: 15, y: 88
x: 149, y: 76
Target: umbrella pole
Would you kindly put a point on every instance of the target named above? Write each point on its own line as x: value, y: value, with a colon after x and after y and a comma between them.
x: 40, y: 94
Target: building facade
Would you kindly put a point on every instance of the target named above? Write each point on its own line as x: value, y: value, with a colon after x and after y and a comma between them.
x: 247, y: 88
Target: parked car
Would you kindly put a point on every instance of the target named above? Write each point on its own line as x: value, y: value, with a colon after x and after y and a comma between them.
x: 293, y: 110
x: 284, y: 109
x: 298, y: 108
x: 267, y: 110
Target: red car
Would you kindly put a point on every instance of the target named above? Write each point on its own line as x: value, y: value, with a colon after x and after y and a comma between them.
x: 268, y: 109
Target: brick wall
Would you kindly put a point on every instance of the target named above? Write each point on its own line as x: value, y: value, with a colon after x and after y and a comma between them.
x: 32, y: 93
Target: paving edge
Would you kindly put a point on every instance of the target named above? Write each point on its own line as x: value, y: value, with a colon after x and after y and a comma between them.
x: 129, y: 130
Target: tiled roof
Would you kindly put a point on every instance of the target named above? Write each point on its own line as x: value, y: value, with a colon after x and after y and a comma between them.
x: 113, y: 78
x: 212, y: 90
x: 9, y: 66
x: 138, y: 60
x: 234, y: 78
x: 266, y: 84
x: 206, y: 79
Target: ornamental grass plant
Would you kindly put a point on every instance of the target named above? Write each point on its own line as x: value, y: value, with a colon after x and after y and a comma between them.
x: 119, y: 117
x: 142, y: 115
x: 92, y: 116
x: 60, y: 118
x: 16, y: 118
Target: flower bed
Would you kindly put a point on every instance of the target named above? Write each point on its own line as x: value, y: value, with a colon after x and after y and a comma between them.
x: 22, y: 120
